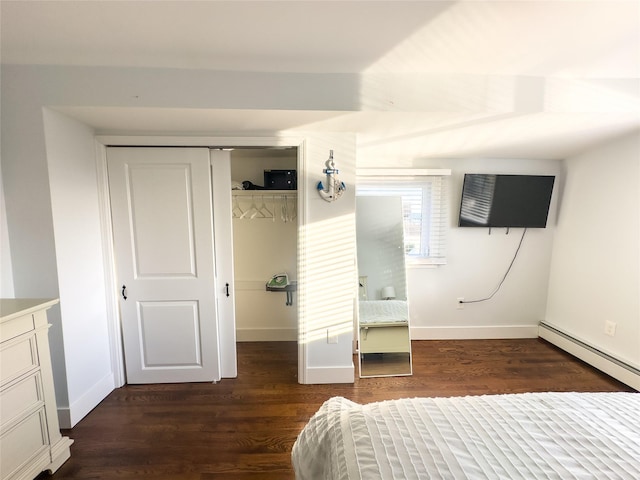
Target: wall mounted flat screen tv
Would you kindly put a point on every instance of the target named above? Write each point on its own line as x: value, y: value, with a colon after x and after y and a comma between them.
x: 505, y: 200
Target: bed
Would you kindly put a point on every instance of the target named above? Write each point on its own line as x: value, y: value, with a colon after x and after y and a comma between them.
x: 384, y: 326
x: 515, y: 436
x: 383, y: 311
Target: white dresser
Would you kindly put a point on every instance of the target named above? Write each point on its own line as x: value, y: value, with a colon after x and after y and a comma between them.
x: 30, y: 439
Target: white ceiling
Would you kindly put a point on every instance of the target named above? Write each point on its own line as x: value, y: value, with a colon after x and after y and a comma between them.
x: 509, y: 79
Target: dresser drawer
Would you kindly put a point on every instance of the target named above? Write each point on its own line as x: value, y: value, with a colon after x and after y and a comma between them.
x: 22, y: 443
x: 17, y: 357
x: 16, y: 326
x: 20, y: 398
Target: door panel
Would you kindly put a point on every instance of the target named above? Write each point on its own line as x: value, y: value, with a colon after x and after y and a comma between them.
x: 223, y: 233
x: 163, y: 242
x: 163, y: 245
x: 169, y: 323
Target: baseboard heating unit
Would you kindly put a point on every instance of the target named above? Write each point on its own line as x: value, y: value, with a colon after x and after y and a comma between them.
x: 618, y: 369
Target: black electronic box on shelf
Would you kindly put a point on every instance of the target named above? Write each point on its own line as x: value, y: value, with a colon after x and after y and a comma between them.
x: 280, y: 180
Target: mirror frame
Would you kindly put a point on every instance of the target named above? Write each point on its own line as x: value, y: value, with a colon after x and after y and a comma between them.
x: 387, y: 341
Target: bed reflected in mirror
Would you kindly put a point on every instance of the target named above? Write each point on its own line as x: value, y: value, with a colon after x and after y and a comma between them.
x: 384, y: 341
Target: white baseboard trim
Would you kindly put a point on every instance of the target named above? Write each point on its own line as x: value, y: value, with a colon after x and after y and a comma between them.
x: 68, y: 417
x: 266, y: 335
x: 472, y: 333
x: 325, y: 375
x: 620, y: 370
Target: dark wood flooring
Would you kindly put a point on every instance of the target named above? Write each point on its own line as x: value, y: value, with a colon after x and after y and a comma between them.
x: 244, y: 428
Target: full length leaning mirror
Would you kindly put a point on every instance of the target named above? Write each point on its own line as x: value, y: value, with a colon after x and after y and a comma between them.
x: 384, y: 341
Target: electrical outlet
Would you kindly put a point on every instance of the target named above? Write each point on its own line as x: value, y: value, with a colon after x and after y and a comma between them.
x: 459, y: 303
x: 610, y: 328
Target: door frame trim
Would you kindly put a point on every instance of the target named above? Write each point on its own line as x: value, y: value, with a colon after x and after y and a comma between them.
x: 101, y: 144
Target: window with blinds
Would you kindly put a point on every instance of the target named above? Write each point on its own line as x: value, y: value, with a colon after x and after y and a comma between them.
x: 425, y: 216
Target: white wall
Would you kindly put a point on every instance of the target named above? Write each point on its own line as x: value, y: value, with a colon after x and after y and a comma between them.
x: 87, y: 375
x: 6, y: 270
x: 477, y: 261
x: 327, y: 257
x: 26, y: 192
x: 595, y: 271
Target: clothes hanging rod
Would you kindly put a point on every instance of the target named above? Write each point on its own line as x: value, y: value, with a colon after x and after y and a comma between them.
x: 263, y: 193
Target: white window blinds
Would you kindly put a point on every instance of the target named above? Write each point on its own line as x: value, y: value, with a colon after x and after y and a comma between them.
x: 425, y: 212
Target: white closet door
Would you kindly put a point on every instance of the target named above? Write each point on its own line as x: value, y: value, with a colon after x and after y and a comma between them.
x: 163, y: 239
x: 223, y: 233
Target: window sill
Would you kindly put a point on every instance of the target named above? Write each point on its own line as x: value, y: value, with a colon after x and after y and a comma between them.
x: 425, y: 263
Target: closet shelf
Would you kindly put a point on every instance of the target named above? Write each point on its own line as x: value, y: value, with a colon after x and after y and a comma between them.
x: 263, y: 193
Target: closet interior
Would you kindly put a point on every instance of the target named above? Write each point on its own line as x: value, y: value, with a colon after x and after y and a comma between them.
x: 265, y: 242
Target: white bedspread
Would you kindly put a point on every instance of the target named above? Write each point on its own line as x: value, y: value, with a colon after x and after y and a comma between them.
x: 519, y: 436
x: 385, y: 311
